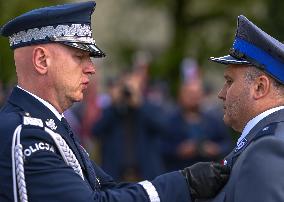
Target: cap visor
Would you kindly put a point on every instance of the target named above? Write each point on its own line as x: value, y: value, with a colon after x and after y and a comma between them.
x: 228, y: 59
x: 92, y: 48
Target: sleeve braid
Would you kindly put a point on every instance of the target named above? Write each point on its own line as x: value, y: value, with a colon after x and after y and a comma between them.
x: 20, y: 173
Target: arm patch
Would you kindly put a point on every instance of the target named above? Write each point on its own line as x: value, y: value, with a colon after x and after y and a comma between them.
x: 29, y: 150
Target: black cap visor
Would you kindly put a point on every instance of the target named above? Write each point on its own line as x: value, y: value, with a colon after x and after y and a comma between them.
x: 91, y: 48
x: 83, y: 43
x: 228, y: 59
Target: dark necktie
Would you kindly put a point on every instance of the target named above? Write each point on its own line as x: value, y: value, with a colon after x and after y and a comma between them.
x: 90, y: 171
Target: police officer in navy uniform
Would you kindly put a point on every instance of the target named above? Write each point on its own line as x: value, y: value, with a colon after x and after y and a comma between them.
x: 40, y: 157
x: 253, y: 99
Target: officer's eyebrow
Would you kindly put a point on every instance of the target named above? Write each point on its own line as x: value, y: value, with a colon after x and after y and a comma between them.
x: 227, y: 77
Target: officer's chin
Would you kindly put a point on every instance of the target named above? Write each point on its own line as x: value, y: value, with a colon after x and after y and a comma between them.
x: 79, y: 97
x: 231, y: 123
x: 226, y: 119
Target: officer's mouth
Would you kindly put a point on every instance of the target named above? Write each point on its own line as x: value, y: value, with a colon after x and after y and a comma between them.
x: 85, y: 85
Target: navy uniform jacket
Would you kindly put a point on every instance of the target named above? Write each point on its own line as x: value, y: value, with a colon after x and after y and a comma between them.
x: 49, y: 178
x: 257, y: 164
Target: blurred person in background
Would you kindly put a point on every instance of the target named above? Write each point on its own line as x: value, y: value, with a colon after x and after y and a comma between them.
x: 193, y: 134
x: 158, y: 93
x: 129, y: 130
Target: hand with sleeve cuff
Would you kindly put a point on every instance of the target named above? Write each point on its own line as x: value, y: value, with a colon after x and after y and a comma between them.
x: 205, y: 179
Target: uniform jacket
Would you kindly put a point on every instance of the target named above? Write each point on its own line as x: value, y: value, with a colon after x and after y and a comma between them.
x: 49, y: 178
x: 257, y: 172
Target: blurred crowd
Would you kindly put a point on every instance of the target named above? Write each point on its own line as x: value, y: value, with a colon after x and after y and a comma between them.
x: 136, y: 131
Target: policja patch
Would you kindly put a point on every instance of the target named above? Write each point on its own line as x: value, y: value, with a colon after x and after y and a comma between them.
x: 37, y: 147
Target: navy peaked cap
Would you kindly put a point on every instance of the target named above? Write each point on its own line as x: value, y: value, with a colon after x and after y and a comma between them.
x: 252, y: 46
x: 69, y: 24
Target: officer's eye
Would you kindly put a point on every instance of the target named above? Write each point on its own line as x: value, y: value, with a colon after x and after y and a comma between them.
x: 229, y: 81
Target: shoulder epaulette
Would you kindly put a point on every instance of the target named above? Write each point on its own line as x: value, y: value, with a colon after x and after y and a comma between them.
x: 19, y: 183
x: 30, y: 121
x: 266, y: 131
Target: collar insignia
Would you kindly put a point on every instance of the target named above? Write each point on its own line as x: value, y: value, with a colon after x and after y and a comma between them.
x: 241, y: 144
x: 266, y: 128
x: 51, y: 124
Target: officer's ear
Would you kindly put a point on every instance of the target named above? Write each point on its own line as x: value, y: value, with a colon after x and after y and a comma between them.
x: 261, y: 86
x: 40, y: 56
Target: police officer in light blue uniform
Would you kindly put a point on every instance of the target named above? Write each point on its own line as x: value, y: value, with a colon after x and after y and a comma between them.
x: 40, y: 157
x: 253, y: 98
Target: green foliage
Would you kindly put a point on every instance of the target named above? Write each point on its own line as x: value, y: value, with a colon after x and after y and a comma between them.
x: 274, y: 23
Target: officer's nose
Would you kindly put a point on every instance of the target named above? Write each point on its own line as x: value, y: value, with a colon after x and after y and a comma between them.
x: 89, y: 67
x: 222, y: 94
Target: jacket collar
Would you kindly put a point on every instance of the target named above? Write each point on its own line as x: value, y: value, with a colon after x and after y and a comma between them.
x: 30, y: 104
x: 253, y: 122
x: 277, y: 116
x: 47, y: 104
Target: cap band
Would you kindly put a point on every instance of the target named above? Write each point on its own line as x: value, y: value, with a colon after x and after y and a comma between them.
x: 269, y: 63
x: 42, y: 33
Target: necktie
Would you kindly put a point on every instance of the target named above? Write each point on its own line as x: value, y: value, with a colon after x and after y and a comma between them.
x: 90, y: 171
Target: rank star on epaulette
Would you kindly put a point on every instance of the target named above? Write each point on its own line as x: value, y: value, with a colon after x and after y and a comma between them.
x: 51, y: 124
x: 266, y: 128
